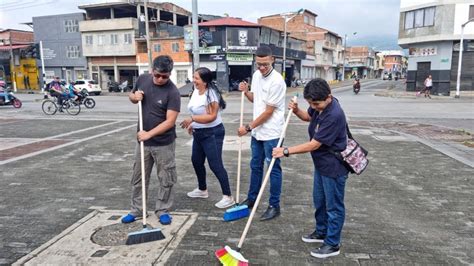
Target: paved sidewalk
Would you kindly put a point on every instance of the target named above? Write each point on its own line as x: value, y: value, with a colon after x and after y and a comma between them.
x: 403, y: 210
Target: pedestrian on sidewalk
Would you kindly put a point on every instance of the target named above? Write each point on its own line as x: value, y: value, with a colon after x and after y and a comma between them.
x: 205, y: 124
x: 327, y: 131
x: 428, y: 86
x: 268, y: 98
x: 161, y: 105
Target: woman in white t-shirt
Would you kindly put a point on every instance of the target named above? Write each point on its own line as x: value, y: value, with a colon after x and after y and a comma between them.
x: 428, y: 86
x: 205, y: 124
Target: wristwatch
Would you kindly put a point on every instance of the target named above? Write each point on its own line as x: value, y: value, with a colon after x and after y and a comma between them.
x: 286, y: 152
x: 248, y: 128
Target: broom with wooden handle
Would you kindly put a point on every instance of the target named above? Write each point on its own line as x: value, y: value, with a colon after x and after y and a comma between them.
x: 146, y: 234
x: 239, y: 211
x: 228, y: 256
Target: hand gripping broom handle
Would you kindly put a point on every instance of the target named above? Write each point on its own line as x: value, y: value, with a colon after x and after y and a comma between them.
x: 239, y: 161
x: 142, y: 162
x: 265, y: 180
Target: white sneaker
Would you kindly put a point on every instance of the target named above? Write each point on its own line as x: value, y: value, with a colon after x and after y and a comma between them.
x: 197, y: 193
x: 225, y: 202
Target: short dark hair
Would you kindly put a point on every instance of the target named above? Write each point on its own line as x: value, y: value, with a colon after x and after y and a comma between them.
x: 163, y: 64
x: 263, y: 51
x: 316, y: 90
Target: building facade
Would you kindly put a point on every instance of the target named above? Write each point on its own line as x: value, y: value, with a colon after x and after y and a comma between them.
x: 17, y: 65
x: 360, y: 62
x: 62, y: 47
x: 431, y: 31
x: 323, y: 48
x: 113, y: 37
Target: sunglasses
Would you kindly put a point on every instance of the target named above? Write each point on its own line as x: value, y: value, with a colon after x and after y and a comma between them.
x: 166, y: 76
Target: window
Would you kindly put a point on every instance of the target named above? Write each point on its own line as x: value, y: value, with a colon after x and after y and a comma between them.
x: 100, y: 39
x: 157, y: 48
x: 142, y: 48
x: 79, y: 82
x: 471, y: 12
x: 89, y: 40
x: 182, y: 76
x: 113, y: 39
x: 127, y: 37
x: 420, y: 18
x: 175, y: 47
x: 306, y: 19
x: 71, y: 25
x: 429, y: 16
x: 409, y: 16
x: 72, y: 51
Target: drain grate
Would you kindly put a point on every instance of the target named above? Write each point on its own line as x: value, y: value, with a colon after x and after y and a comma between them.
x: 100, y: 253
x: 114, y: 217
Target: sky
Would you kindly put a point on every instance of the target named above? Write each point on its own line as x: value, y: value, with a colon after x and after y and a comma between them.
x: 366, y: 17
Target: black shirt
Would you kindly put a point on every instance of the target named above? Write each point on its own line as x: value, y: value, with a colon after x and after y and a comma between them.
x: 328, y: 128
x: 157, y: 100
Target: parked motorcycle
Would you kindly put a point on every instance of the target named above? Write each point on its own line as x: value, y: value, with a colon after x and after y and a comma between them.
x: 116, y: 87
x: 4, y: 93
x: 356, y: 86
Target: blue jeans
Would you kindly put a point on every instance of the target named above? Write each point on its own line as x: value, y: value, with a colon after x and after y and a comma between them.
x: 328, y: 199
x: 261, y: 152
x: 208, y: 143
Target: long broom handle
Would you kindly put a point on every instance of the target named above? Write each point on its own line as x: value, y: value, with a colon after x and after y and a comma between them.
x: 239, y: 161
x: 265, y: 180
x: 142, y: 162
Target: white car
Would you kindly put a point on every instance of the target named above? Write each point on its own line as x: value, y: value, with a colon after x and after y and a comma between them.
x: 89, y: 85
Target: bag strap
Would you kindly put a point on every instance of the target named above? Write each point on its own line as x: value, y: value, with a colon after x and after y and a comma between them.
x: 349, y: 134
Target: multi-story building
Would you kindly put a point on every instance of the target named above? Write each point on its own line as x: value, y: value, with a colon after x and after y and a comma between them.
x: 393, y: 62
x: 379, y: 65
x: 228, y: 45
x: 22, y: 74
x: 430, y: 30
x: 167, y: 40
x: 328, y: 53
x: 112, y: 32
x: 323, y: 47
x: 62, y: 47
x: 360, y: 61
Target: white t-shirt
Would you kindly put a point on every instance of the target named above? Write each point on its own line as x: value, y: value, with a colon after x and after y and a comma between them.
x: 429, y: 82
x: 197, y: 106
x: 269, y: 90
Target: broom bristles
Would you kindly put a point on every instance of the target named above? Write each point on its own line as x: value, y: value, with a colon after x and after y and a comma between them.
x: 236, y: 213
x: 144, y: 235
x: 229, y: 257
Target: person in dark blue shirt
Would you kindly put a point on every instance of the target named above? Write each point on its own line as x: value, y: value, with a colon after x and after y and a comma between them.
x: 327, y: 133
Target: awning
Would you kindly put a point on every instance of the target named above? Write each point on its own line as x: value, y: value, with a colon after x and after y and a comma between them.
x: 13, y: 47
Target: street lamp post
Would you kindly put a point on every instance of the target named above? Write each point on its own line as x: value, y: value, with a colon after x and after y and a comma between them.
x: 287, y: 17
x: 458, y: 81
x: 344, y: 56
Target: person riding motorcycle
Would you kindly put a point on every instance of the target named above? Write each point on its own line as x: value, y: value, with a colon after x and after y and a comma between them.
x: 56, y: 90
x: 356, y: 85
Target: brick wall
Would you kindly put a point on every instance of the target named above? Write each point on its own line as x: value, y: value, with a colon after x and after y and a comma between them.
x: 166, y: 46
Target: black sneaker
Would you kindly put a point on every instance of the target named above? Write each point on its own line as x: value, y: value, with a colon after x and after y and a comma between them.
x: 325, y: 251
x: 313, y: 238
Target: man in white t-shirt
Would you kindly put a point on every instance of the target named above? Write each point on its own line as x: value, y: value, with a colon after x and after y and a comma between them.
x: 268, y: 97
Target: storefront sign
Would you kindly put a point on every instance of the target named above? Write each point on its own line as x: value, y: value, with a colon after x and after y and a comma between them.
x: 217, y: 57
x: 243, y: 48
x: 240, y: 57
x: 209, y: 50
x: 425, y: 51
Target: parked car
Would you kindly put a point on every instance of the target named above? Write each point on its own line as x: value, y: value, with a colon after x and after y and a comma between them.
x: 89, y: 85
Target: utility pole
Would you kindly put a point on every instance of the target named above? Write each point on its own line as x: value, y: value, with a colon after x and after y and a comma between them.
x: 42, y: 68
x: 12, y: 64
x: 458, y: 80
x: 195, y: 36
x: 344, y: 58
x: 148, y: 45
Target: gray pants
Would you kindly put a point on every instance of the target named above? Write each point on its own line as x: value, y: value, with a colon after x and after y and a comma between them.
x: 164, y: 158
